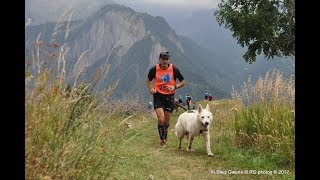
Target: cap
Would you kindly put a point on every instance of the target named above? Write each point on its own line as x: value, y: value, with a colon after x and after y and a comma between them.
x: 164, y: 54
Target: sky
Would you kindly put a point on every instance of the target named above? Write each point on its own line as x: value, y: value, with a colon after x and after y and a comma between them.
x: 194, y: 4
x: 197, y: 3
x: 169, y: 9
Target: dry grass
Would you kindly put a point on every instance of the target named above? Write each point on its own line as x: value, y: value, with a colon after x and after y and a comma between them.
x: 68, y: 128
x: 265, y: 120
x: 273, y: 89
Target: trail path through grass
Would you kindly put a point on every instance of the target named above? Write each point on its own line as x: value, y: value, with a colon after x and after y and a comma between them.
x: 139, y: 156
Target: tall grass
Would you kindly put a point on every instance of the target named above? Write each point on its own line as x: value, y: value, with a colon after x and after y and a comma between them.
x: 70, y: 129
x: 265, y: 120
x: 71, y: 132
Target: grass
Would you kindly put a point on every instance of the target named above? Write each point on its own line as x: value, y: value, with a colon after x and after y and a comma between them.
x: 73, y: 133
x: 265, y: 119
x: 101, y: 148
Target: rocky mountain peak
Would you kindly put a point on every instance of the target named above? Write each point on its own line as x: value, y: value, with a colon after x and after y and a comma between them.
x: 130, y: 42
x: 117, y: 28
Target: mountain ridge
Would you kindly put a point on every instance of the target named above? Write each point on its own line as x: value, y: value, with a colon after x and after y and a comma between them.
x: 130, y: 42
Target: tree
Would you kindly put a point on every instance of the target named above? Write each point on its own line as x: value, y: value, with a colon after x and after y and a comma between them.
x: 266, y: 26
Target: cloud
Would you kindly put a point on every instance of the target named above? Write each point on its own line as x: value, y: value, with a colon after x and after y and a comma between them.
x: 198, y: 4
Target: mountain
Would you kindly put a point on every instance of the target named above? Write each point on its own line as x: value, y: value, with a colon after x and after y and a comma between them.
x: 130, y: 42
x: 42, y: 11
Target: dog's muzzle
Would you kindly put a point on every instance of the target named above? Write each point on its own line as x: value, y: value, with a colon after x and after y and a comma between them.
x: 205, y: 126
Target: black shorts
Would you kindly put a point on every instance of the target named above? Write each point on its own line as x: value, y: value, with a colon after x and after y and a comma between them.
x: 165, y: 101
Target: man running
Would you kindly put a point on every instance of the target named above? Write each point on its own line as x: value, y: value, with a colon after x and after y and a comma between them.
x: 165, y: 85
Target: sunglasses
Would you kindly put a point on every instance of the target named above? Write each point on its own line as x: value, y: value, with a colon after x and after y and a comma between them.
x: 164, y: 58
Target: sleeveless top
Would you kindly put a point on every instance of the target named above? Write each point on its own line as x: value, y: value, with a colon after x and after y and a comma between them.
x: 164, y: 78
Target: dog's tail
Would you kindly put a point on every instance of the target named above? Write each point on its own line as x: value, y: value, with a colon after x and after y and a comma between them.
x: 176, y: 129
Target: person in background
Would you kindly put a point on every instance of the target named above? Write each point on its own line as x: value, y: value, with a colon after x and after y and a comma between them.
x: 206, y: 95
x: 194, y: 107
x: 180, y: 100
x: 210, y: 97
x: 185, y: 99
x: 188, y: 101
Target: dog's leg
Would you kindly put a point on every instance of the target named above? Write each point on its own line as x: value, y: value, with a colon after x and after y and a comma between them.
x: 180, y: 139
x: 207, y: 139
x: 190, y: 142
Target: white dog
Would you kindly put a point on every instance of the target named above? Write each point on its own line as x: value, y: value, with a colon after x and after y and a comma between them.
x: 193, y: 123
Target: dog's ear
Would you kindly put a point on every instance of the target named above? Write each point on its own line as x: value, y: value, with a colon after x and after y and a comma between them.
x: 208, y: 107
x: 200, y: 108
